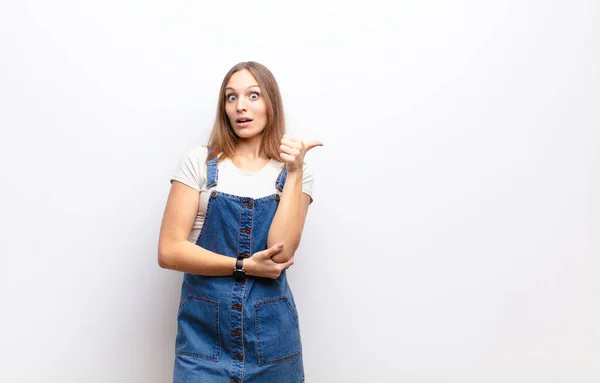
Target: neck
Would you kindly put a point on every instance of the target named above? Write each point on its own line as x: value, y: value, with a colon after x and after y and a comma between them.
x: 249, y: 148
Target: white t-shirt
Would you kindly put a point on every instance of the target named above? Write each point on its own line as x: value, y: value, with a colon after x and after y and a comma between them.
x: 192, y: 171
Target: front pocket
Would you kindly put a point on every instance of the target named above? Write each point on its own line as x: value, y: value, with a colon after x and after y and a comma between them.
x: 198, y: 329
x: 277, y: 331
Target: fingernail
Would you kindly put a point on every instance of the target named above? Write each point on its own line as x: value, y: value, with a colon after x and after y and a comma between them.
x: 280, y: 245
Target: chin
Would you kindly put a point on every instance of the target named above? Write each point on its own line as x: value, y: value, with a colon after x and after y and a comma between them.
x: 248, y: 133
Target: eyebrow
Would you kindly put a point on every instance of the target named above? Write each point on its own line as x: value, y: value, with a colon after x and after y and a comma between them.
x: 246, y: 88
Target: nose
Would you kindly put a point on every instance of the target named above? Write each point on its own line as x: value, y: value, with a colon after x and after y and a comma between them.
x: 240, y: 106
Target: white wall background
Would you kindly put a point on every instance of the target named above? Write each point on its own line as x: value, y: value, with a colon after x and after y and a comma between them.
x: 454, y: 234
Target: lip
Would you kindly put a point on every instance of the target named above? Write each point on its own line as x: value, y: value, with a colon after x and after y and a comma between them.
x: 245, y: 123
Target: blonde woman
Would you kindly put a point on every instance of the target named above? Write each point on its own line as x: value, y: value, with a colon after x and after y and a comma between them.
x: 233, y: 220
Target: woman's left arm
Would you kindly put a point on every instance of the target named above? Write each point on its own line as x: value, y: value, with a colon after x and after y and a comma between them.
x: 289, y: 219
x: 288, y: 222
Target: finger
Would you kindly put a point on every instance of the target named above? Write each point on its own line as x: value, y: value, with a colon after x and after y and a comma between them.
x: 312, y: 144
x: 290, y: 151
x: 291, y: 144
x: 271, y: 251
x: 286, y: 157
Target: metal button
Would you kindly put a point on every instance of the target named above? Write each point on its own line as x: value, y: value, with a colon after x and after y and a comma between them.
x: 246, y: 230
x: 236, y: 332
x: 244, y: 255
x: 249, y: 204
x: 277, y: 197
x: 237, y: 307
x: 213, y: 194
x: 238, y: 357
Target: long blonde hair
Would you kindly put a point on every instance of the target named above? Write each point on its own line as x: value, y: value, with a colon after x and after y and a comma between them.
x: 222, y: 137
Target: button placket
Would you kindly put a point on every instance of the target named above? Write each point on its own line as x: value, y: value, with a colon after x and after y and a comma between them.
x: 236, y: 323
x: 246, y: 206
x: 236, y: 333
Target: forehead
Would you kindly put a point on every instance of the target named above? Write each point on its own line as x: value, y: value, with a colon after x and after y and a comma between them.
x: 241, y: 80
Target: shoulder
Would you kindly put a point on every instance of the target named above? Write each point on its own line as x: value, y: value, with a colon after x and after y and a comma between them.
x: 196, y: 156
x: 198, y: 152
x: 192, y: 167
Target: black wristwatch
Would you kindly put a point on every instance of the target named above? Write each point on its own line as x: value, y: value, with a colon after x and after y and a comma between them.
x: 239, y: 274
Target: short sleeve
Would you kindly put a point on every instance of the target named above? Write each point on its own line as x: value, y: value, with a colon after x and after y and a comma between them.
x: 307, y: 182
x: 192, y: 168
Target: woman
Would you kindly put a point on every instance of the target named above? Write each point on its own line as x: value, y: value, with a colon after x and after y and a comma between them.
x: 233, y: 220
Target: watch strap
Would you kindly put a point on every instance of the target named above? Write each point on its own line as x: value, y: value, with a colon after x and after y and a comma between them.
x: 239, y: 264
x: 239, y: 274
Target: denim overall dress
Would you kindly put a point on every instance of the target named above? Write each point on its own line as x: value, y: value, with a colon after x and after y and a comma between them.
x: 228, y: 331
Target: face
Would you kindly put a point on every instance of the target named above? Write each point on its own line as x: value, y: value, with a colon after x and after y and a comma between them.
x: 245, y: 105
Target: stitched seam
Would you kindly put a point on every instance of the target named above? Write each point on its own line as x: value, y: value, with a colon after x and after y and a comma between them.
x: 217, y: 351
x: 257, y: 307
x: 239, y: 233
x: 182, y: 305
x: 251, y: 227
x: 257, y: 330
x: 242, y: 329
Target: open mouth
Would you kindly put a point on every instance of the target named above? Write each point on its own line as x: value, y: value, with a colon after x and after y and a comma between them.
x: 243, y: 120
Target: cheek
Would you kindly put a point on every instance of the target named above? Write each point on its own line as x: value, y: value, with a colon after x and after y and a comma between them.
x: 261, y: 110
x: 229, y: 112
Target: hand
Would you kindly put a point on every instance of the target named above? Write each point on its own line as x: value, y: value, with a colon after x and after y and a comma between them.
x: 293, y: 151
x: 260, y: 263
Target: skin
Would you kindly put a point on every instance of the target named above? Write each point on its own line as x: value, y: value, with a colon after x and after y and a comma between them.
x: 243, y: 99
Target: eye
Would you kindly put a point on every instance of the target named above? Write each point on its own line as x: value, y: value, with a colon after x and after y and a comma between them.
x: 230, y: 97
x: 254, y: 95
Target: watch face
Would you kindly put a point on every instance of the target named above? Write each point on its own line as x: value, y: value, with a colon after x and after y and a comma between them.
x: 239, y: 275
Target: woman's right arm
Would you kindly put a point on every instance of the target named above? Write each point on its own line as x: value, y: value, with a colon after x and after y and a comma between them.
x: 176, y: 252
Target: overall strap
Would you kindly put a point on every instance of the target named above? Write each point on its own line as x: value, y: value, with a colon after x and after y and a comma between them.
x: 281, y: 179
x: 212, y: 172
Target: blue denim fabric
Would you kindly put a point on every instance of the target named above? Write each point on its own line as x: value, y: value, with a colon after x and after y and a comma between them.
x: 230, y: 331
